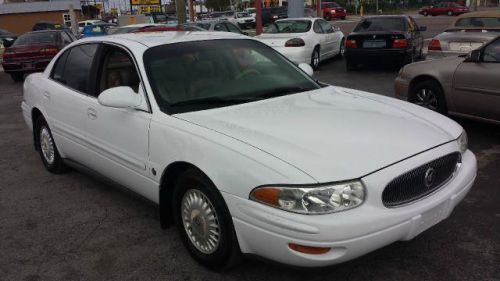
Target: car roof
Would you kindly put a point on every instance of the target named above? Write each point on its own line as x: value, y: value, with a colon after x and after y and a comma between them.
x: 493, y: 13
x: 168, y: 37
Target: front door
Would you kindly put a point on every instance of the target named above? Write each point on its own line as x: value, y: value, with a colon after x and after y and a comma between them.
x: 120, y: 136
x: 476, y: 86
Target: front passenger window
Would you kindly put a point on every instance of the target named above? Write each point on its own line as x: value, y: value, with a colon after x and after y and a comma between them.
x: 118, y: 70
x: 492, y: 52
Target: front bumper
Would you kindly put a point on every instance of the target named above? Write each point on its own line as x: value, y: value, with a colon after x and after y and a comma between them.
x: 296, y: 54
x: 266, y: 231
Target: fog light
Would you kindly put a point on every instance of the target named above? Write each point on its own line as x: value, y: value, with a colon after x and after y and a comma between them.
x: 308, y: 250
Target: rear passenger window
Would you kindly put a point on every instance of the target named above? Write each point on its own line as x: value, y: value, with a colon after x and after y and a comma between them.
x: 75, y: 71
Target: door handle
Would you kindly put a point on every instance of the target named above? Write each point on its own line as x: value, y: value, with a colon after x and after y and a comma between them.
x: 92, y: 113
x: 46, y: 95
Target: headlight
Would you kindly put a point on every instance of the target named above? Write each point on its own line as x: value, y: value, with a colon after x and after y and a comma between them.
x: 463, y: 142
x: 312, y: 199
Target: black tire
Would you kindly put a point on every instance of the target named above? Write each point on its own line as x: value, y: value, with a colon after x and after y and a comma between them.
x: 17, y: 77
x: 450, y: 13
x: 425, y: 13
x: 433, y: 100
x: 328, y: 18
x: 342, y: 18
x: 227, y: 253
x: 315, y: 58
x: 350, y: 66
x: 51, y: 158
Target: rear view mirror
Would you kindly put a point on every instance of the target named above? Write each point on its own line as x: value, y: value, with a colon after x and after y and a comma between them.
x: 307, y: 69
x: 474, y: 56
x: 120, y: 97
x: 422, y: 28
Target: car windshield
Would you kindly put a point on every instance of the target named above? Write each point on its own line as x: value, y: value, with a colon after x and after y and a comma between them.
x: 478, y: 22
x: 289, y: 26
x: 330, y: 5
x: 198, y: 75
x: 36, y: 38
x: 381, y: 24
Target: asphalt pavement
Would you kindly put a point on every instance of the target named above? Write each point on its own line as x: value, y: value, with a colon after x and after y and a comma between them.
x: 76, y: 227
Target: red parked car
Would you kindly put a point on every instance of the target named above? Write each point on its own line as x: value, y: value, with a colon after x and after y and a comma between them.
x: 332, y: 10
x: 32, y: 51
x: 444, y: 8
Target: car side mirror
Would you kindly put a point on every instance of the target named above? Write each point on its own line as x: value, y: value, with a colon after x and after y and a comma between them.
x: 306, y: 68
x: 422, y: 28
x: 7, y: 42
x: 120, y: 97
x: 474, y: 56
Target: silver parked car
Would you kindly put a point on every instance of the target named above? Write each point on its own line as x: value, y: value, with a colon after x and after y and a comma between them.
x: 468, y: 85
x: 468, y: 32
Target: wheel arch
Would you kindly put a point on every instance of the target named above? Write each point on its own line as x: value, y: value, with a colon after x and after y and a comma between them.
x: 166, y: 190
x: 35, y: 115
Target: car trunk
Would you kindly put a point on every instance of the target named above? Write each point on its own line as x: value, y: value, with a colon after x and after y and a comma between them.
x: 375, y: 39
x: 465, y: 41
x: 24, y: 52
x: 277, y: 39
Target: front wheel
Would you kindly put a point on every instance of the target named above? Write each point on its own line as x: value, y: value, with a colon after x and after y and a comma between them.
x: 315, y: 58
x: 428, y: 93
x: 47, y: 148
x: 204, y: 221
x: 450, y: 13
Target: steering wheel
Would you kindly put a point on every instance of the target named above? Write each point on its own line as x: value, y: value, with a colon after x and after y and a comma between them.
x: 247, y: 72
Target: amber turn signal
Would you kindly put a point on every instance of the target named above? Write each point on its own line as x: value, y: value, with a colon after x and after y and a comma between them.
x: 267, y: 195
x: 308, y: 250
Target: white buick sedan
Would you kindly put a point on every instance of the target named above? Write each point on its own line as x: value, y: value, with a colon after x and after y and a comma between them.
x: 243, y: 151
x: 304, y: 40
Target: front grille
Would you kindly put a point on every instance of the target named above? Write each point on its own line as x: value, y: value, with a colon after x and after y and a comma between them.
x: 420, y: 181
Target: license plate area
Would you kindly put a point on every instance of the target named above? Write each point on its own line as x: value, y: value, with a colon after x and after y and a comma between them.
x: 464, y: 46
x: 430, y: 218
x: 374, y: 44
x: 28, y: 65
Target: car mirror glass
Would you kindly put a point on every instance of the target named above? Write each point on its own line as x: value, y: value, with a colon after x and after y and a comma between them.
x: 120, y: 97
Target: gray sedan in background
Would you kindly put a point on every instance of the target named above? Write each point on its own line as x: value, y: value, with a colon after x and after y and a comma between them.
x: 467, y: 86
x: 468, y: 32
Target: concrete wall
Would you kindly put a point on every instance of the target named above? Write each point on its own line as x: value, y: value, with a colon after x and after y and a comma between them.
x: 21, y: 23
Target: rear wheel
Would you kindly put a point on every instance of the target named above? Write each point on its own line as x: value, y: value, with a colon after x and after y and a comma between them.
x: 204, y: 221
x: 47, y: 148
x: 428, y: 93
x: 425, y: 13
x: 17, y: 77
x: 315, y: 58
x: 341, y: 49
x: 450, y: 13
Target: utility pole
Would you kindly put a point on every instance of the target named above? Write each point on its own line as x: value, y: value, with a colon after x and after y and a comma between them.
x: 180, y: 8
x: 318, y: 9
x: 258, y: 17
x: 191, y: 10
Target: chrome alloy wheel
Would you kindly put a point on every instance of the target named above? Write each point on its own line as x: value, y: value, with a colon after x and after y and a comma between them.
x: 427, y: 98
x: 200, y: 221
x: 315, y: 59
x: 47, y: 145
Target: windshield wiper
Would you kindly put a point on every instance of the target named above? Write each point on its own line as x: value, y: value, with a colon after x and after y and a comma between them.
x: 214, y: 101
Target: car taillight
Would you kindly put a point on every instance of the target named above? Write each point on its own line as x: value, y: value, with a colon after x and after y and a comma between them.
x: 9, y: 54
x: 351, y: 44
x: 345, y: 11
x: 295, y: 42
x: 399, y: 43
x: 435, y: 45
x: 49, y: 51
x: 333, y: 11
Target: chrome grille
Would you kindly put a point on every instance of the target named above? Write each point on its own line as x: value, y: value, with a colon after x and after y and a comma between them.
x: 420, y: 181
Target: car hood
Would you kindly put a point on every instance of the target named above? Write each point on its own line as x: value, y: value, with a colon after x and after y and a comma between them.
x: 332, y: 134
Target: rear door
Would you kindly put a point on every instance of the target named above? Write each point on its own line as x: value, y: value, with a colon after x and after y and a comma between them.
x: 321, y: 37
x: 476, y: 86
x: 66, y: 98
x: 331, y: 38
